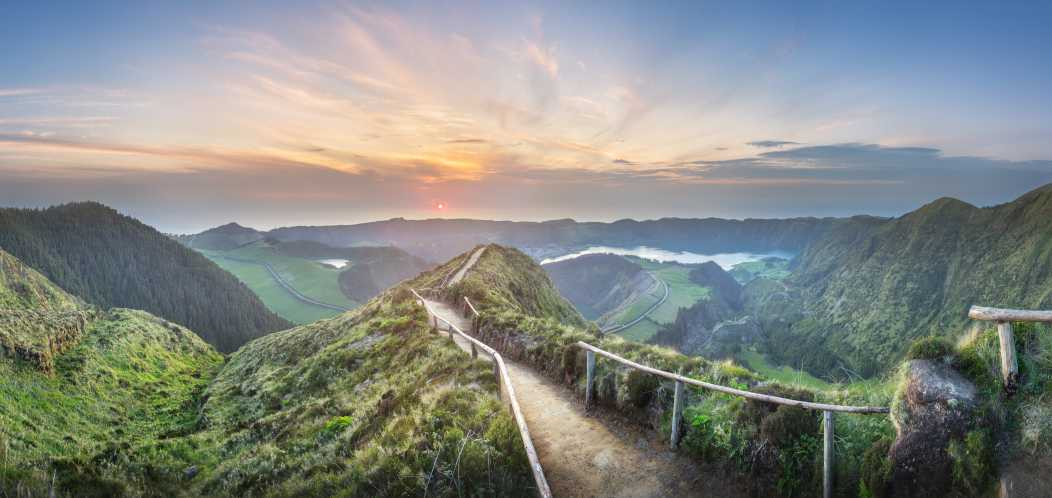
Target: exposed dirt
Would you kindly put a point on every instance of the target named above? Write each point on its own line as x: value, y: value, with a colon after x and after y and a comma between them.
x: 593, y: 455
x: 467, y: 266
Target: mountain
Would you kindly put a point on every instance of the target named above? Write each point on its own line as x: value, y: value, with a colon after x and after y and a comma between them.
x: 365, y: 404
x: 222, y: 238
x: 870, y: 286
x: 598, y: 284
x: 441, y: 239
x: 111, y: 260
x: 714, y: 326
x: 371, y: 269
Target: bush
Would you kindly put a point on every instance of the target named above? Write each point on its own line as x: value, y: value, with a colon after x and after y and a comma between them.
x: 930, y: 348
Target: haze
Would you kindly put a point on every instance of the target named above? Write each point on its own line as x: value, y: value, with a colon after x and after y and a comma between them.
x: 191, y: 115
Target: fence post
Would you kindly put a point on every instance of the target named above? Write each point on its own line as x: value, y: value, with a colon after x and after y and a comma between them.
x: 677, y: 412
x: 1009, y: 367
x: 827, y: 454
x: 474, y: 351
x: 590, y: 377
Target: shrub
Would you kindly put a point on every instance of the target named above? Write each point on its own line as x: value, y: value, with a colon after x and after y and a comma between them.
x: 930, y: 348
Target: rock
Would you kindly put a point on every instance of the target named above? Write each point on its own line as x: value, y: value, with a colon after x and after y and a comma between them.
x: 938, y: 405
x: 190, y: 472
x: 725, y: 339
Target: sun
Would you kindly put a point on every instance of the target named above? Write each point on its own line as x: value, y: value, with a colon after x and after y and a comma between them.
x: 441, y: 206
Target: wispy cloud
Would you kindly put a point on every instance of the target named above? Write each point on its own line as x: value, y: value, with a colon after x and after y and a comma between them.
x: 771, y: 144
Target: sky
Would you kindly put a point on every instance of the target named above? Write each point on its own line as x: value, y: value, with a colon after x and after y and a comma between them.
x: 187, y: 115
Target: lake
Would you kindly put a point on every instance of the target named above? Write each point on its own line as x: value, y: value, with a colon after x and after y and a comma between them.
x: 338, y: 263
x: 725, y: 260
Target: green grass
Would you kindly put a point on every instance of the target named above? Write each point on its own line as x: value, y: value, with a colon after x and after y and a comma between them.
x: 132, y: 379
x: 783, y: 374
x: 683, y: 293
x: 309, y: 277
x: 365, y: 404
x: 773, y: 268
x: 277, y: 299
x: 641, y: 332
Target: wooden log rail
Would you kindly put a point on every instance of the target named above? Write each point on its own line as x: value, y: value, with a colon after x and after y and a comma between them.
x: 469, y: 310
x: 505, y: 390
x: 1004, y: 319
x: 678, y: 399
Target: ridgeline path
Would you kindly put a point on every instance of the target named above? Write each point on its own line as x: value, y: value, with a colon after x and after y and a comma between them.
x: 594, y: 455
x: 467, y: 266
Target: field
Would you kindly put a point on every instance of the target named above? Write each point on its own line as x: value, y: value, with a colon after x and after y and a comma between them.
x: 310, y: 278
x: 786, y: 375
x: 682, y: 293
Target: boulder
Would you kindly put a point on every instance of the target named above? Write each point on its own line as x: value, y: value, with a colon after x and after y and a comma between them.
x: 937, y: 406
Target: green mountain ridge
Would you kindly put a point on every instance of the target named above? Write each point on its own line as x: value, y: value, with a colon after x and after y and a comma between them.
x: 111, y: 260
x: 365, y: 404
x: 871, y: 286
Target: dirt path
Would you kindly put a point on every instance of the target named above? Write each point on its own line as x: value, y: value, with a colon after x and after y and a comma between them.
x: 467, y: 266
x: 595, y: 455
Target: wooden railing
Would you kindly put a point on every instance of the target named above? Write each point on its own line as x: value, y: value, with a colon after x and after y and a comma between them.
x: 1004, y: 319
x: 469, y: 310
x: 505, y: 389
x: 677, y: 403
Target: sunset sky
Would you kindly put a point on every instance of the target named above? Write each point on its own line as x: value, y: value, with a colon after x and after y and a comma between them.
x: 193, y: 114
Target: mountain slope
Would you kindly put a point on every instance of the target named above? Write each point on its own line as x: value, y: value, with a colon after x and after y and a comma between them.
x: 597, y: 284
x: 871, y: 286
x: 365, y: 404
x: 111, y: 260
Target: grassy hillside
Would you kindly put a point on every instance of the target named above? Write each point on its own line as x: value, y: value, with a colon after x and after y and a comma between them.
x: 130, y: 384
x: 778, y: 451
x: 872, y: 286
x: 599, y: 284
x: 111, y: 260
x: 301, y: 264
x: 365, y: 404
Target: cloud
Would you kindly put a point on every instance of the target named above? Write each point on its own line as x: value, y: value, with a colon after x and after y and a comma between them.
x: 467, y: 141
x: 771, y: 144
x: 624, y: 162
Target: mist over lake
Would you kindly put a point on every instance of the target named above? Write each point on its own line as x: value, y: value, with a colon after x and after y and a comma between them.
x: 725, y: 260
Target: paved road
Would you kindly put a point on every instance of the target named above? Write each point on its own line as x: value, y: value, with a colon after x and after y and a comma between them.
x: 617, y: 328
x: 285, y: 285
x: 588, y: 456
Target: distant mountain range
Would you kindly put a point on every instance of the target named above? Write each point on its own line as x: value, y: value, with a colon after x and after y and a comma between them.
x: 441, y: 239
x: 870, y: 286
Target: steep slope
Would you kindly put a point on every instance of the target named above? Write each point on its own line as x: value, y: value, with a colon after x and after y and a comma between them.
x: 87, y: 388
x: 871, y: 286
x: 365, y: 404
x: 111, y: 260
x: 597, y: 284
x: 714, y: 326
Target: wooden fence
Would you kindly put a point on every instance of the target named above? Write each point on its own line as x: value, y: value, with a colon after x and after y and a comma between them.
x: 677, y: 404
x: 504, y: 388
x: 1004, y: 319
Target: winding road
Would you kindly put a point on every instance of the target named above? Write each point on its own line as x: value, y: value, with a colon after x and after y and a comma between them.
x: 285, y: 285
x: 641, y: 317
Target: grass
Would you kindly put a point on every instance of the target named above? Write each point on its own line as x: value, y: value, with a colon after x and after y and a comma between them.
x: 641, y: 332
x: 682, y: 292
x: 367, y: 403
x: 783, y: 374
x: 311, y: 278
x: 277, y: 299
x: 131, y: 380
